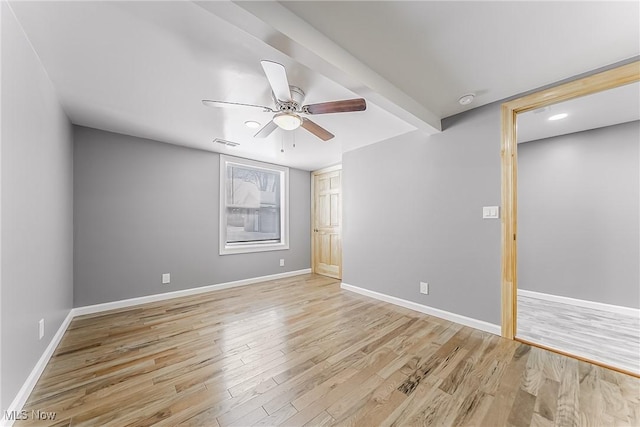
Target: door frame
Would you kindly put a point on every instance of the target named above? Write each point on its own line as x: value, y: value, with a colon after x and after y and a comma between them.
x: 629, y: 73
x: 313, y: 211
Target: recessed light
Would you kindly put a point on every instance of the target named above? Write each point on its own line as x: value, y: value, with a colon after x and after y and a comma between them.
x: 467, y: 99
x: 558, y: 116
x: 252, y: 124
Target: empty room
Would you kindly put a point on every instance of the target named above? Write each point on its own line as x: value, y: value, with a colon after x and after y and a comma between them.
x: 197, y: 219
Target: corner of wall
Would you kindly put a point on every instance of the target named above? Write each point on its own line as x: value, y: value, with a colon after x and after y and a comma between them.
x: 36, y: 194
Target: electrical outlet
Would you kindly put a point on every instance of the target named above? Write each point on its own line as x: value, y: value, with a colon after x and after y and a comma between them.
x: 41, y: 329
x: 166, y: 278
x: 282, y: 262
x: 424, y: 288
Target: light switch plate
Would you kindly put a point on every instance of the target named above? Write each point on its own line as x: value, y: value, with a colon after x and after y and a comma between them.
x: 490, y: 212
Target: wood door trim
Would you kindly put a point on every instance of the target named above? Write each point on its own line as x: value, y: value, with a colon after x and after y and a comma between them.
x: 313, y: 210
x: 610, y: 79
x: 327, y: 169
x: 313, y: 221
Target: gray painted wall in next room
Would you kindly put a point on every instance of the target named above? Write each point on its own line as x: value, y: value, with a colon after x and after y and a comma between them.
x: 37, y: 208
x: 143, y: 208
x: 578, y: 217
x: 413, y: 212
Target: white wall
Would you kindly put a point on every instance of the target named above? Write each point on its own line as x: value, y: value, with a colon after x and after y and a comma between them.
x: 36, y: 209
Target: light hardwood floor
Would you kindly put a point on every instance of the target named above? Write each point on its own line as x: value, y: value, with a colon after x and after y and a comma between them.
x: 609, y: 338
x: 301, y: 351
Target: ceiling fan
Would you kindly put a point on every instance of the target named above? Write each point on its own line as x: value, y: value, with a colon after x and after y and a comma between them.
x: 288, y: 110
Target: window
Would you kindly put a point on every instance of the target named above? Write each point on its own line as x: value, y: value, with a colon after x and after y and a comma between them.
x: 254, y: 208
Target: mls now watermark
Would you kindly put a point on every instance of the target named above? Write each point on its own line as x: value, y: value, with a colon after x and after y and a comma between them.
x: 35, y: 414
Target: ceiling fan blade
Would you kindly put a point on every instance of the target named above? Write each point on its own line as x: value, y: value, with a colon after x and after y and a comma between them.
x: 316, y: 129
x: 358, y: 104
x: 210, y: 103
x: 277, y: 76
x: 266, y: 130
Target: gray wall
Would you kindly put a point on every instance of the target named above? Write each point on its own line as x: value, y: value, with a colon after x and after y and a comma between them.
x: 37, y: 192
x: 578, y: 229
x: 143, y: 208
x: 413, y: 212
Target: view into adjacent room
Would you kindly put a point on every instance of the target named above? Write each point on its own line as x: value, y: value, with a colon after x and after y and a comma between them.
x: 578, y: 219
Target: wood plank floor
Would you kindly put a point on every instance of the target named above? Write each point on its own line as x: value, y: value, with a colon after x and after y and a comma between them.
x: 602, y: 336
x: 301, y: 351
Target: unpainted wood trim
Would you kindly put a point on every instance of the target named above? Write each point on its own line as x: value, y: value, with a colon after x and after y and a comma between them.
x: 313, y: 221
x: 509, y: 216
x: 327, y: 169
x: 585, y: 86
x: 341, y: 222
x: 610, y: 79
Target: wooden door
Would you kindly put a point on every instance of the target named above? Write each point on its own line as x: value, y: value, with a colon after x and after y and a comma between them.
x: 327, y: 222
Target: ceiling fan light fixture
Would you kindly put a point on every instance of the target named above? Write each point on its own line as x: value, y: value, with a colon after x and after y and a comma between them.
x: 287, y: 121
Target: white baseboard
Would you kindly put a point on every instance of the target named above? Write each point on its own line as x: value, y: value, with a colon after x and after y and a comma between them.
x: 97, y: 308
x: 626, y: 311
x: 453, y: 317
x: 34, y: 376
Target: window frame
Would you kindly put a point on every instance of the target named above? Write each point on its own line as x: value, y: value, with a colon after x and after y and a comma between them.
x: 243, y: 248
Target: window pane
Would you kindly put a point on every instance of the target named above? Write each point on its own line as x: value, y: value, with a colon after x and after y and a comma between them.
x: 253, y: 205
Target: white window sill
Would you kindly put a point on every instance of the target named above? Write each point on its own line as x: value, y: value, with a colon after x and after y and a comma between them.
x: 245, y: 249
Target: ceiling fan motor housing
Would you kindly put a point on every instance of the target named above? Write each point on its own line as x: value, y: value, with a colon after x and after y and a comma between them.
x: 293, y: 105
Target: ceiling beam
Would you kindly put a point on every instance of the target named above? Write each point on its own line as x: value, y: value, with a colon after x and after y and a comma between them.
x: 278, y: 27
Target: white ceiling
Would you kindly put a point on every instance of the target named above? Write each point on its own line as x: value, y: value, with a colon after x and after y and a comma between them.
x: 141, y: 68
x: 606, y: 108
x: 437, y: 51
